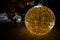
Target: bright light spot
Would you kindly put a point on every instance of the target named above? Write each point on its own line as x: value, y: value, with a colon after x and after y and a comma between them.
x: 37, y: 6
x: 51, y: 25
x: 19, y: 20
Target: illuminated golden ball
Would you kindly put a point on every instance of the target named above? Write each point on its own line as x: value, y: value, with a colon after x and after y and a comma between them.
x: 39, y: 20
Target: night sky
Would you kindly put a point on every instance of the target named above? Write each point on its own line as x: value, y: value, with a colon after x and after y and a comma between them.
x: 14, y: 31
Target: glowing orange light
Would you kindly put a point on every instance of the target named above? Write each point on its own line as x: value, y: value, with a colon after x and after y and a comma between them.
x: 39, y: 20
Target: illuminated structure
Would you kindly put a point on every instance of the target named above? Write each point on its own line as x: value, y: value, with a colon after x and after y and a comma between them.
x: 39, y: 20
x: 17, y: 18
x: 3, y: 17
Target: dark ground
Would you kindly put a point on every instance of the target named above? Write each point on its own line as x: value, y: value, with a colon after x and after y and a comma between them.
x: 11, y: 31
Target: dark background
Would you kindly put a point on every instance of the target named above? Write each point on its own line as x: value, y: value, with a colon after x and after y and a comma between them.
x: 13, y: 31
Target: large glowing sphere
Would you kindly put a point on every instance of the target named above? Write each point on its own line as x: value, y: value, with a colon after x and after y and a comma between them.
x: 39, y: 20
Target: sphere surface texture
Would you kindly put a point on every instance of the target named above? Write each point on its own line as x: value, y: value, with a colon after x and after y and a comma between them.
x: 39, y: 20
